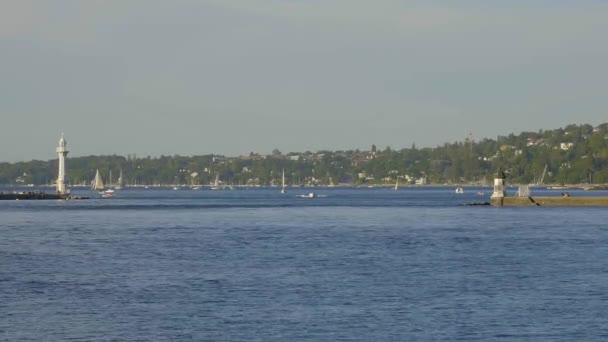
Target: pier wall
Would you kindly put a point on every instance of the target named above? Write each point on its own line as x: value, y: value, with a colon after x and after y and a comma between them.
x: 32, y: 196
x: 552, y: 201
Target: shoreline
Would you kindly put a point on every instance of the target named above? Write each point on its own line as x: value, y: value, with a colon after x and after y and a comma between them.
x: 342, y: 185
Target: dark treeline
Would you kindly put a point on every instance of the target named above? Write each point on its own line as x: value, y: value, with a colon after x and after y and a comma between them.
x: 570, y: 155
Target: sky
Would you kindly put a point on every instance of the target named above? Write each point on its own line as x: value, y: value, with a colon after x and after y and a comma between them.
x: 192, y: 77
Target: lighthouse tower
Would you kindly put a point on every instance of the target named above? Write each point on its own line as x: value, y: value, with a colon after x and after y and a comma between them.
x: 62, y: 152
x: 499, y: 188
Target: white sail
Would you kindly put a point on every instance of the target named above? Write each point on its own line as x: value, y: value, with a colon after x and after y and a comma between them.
x: 283, y: 183
x: 216, y: 183
x: 98, y: 182
x: 121, y: 181
x: 397, y: 184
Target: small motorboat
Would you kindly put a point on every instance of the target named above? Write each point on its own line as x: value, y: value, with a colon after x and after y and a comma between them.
x: 459, y: 190
x: 308, y: 195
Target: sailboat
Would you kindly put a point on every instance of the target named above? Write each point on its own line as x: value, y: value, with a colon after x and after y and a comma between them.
x: 216, y: 184
x: 397, y: 185
x: 121, y: 181
x: 542, y: 178
x: 97, y: 183
x: 283, y: 190
x: 194, y: 185
x: 110, y: 190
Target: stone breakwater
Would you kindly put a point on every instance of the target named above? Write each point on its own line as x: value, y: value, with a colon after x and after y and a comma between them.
x: 34, y: 195
x: 550, y: 201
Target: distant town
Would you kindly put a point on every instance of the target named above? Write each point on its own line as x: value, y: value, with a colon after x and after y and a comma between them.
x: 575, y: 154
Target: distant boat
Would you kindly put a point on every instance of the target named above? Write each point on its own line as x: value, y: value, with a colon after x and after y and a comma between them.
x: 121, y: 182
x: 97, y: 183
x: 308, y: 195
x: 194, y: 185
x: 595, y: 187
x: 216, y: 184
x: 397, y: 185
x: 459, y: 190
x: 109, y: 190
x: 541, y: 179
x: 558, y: 187
x: 331, y: 183
x: 107, y: 195
x: 283, y: 190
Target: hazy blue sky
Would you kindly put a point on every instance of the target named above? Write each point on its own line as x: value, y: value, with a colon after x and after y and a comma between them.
x: 232, y: 76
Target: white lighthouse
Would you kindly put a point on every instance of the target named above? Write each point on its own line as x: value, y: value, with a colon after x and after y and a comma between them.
x: 499, y: 185
x: 62, y: 153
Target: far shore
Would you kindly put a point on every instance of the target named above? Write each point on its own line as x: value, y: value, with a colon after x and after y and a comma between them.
x: 341, y: 185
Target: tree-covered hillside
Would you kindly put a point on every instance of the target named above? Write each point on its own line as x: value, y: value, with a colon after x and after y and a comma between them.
x: 570, y: 155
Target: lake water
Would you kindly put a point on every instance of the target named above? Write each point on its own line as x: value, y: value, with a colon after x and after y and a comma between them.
x: 256, y: 265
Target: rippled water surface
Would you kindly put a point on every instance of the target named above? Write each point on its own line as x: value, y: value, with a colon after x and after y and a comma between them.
x: 256, y: 265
